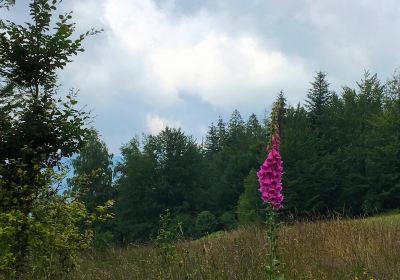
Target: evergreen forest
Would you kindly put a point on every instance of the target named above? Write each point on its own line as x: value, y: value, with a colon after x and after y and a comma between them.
x: 341, y: 154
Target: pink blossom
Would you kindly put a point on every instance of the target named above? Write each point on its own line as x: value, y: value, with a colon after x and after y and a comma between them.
x: 270, y: 176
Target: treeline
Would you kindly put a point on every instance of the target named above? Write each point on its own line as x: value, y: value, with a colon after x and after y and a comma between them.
x: 341, y: 153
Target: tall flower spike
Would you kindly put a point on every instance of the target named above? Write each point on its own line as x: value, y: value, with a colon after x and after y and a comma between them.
x: 270, y: 176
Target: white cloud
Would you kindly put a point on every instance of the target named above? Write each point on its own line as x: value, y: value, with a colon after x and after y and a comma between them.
x: 155, y: 124
x: 226, y: 54
x: 190, y: 55
x: 355, y: 35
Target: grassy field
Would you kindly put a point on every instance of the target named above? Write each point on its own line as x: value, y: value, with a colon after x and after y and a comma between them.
x: 338, y: 249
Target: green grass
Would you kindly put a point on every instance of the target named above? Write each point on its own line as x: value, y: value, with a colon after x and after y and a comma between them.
x: 214, y: 235
x: 389, y: 219
x: 338, y: 249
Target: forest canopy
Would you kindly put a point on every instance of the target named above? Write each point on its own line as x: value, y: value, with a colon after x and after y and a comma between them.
x: 341, y: 154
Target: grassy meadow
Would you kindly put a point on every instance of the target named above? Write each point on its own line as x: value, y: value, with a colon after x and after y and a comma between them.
x: 336, y: 249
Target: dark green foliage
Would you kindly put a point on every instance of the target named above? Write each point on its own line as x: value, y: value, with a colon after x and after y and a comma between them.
x: 170, y: 171
x: 92, y: 182
x: 318, y: 99
x: 166, y: 172
x: 185, y: 223
x: 341, y: 154
x: 93, y: 172
x: 242, y: 149
x: 206, y: 223
x: 212, y: 144
x: 249, y: 209
x: 346, y: 157
x: 39, y: 127
x: 228, y: 221
x: 136, y: 209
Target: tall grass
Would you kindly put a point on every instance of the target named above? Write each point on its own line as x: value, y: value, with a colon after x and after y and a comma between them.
x: 338, y: 249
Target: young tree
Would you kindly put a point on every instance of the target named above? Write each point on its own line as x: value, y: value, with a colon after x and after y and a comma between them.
x: 206, y: 223
x: 212, y: 141
x: 39, y: 127
x: 136, y: 211
x: 93, y: 172
x: 254, y: 128
x: 249, y: 209
x: 221, y: 132
x: 236, y: 128
x: 318, y: 98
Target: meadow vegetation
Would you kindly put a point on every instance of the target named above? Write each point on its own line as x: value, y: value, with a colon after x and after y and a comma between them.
x: 366, y: 248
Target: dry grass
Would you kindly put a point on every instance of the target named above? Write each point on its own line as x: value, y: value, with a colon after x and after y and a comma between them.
x: 338, y: 249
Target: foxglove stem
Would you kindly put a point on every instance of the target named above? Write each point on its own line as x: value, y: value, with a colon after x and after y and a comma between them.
x: 272, y: 267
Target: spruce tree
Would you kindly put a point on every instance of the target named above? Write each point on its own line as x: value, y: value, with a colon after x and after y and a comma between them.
x: 249, y: 208
x: 235, y: 127
x: 212, y: 141
x: 318, y: 98
x: 221, y: 132
x: 93, y: 172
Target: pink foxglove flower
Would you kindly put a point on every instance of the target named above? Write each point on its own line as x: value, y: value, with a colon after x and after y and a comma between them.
x: 270, y: 176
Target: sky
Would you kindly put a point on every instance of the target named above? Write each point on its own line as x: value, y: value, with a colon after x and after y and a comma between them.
x: 184, y: 63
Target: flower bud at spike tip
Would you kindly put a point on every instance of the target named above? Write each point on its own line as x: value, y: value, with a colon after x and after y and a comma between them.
x: 270, y: 176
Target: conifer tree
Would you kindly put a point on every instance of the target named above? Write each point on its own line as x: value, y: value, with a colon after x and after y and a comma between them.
x: 318, y: 98
x: 249, y: 209
x: 235, y: 127
x: 93, y: 172
x: 221, y: 132
x: 212, y: 141
x: 253, y: 127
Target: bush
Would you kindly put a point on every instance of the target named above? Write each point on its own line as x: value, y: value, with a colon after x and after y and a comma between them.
x: 57, y: 229
x: 103, y: 239
x: 205, y: 223
x: 185, y: 224
x: 228, y: 221
x: 9, y: 222
x: 250, y: 204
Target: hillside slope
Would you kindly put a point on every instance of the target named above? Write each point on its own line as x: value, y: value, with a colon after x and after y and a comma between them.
x: 338, y: 249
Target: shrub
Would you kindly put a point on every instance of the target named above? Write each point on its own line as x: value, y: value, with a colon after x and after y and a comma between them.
x: 57, y: 229
x: 228, y: 221
x: 184, y: 223
x: 205, y: 223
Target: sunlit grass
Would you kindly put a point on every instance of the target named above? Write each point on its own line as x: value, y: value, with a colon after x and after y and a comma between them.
x: 390, y: 219
x: 338, y: 249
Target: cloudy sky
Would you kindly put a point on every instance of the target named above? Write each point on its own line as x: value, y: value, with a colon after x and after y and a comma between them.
x: 183, y: 63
